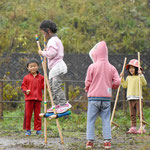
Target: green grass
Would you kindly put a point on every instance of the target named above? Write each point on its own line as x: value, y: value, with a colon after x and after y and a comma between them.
x: 73, y: 128
x: 73, y: 122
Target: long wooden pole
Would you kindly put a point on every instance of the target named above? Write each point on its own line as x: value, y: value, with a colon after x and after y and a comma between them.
x: 116, y: 100
x: 49, y: 91
x: 45, y: 101
x: 141, y: 124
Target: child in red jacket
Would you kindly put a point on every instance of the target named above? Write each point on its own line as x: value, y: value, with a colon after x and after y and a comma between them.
x: 32, y: 86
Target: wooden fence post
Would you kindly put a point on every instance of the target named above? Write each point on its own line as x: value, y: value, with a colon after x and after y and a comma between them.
x: 1, y: 99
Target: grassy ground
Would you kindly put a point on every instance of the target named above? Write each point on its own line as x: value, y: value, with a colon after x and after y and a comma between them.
x: 74, y: 132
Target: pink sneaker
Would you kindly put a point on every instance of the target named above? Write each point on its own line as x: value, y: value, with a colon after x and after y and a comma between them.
x: 132, y: 130
x: 140, y: 131
x: 50, y: 110
x: 63, y: 108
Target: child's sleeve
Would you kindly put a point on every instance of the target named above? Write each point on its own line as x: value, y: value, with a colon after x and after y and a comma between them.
x: 124, y: 83
x: 24, y: 85
x: 143, y: 80
x: 51, y: 50
x: 116, y: 80
x: 88, y: 78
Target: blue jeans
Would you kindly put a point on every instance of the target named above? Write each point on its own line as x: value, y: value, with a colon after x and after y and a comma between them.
x: 103, y: 109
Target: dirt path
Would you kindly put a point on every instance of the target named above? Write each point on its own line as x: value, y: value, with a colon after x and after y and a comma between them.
x: 119, y: 142
x: 11, y: 143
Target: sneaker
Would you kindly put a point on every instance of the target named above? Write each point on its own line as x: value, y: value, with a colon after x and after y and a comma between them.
x: 50, y: 110
x: 39, y: 132
x: 107, y: 144
x: 63, y: 108
x: 140, y: 131
x: 89, y: 145
x: 132, y: 130
x: 28, y: 133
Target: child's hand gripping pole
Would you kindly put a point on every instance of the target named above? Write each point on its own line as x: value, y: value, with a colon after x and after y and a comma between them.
x: 49, y: 91
x: 117, y: 95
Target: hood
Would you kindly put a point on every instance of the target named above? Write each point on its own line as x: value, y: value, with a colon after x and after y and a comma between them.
x: 99, y: 52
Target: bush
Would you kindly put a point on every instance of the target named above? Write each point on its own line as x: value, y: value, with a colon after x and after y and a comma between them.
x: 124, y: 25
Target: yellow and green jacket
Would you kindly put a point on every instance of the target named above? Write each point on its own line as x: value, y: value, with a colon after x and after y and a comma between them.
x: 132, y: 85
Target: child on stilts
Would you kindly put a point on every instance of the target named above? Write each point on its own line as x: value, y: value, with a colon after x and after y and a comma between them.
x: 132, y: 85
x: 57, y: 68
x: 101, y: 78
x: 32, y: 86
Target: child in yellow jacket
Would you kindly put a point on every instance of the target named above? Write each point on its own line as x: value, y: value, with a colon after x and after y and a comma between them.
x: 132, y: 85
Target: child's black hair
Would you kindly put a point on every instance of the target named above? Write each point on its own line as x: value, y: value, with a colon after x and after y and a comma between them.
x: 48, y: 24
x: 136, y: 70
x: 33, y: 60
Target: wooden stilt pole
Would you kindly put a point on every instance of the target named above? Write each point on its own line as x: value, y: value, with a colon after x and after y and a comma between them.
x: 45, y: 101
x: 141, y: 123
x: 116, y: 100
x: 49, y: 91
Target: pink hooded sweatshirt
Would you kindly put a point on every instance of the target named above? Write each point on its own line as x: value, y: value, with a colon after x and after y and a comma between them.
x: 101, y: 77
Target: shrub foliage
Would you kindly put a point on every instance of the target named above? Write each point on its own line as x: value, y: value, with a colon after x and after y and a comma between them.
x: 123, y: 24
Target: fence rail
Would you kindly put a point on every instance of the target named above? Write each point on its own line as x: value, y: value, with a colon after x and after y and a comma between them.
x: 70, y: 86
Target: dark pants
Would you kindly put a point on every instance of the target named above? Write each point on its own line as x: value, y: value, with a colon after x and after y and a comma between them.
x: 134, y: 106
x: 30, y: 106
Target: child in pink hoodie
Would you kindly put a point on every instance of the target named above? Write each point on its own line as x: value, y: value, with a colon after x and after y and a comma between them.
x: 101, y: 78
x: 57, y: 68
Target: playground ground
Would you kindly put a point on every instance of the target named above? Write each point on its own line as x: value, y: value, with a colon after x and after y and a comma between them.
x: 73, y: 128
x: 73, y: 141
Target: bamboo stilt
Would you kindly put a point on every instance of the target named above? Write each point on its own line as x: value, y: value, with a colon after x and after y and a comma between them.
x: 141, y: 122
x: 116, y: 100
x: 45, y: 101
x: 49, y: 91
